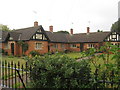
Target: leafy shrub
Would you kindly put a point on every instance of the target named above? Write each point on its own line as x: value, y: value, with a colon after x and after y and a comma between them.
x: 34, y: 53
x: 59, y: 71
x: 2, y: 50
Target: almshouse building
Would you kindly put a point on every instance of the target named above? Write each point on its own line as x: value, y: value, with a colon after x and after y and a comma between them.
x: 44, y: 41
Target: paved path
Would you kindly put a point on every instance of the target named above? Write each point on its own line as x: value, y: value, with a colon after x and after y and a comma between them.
x: 0, y: 88
x: 89, y: 57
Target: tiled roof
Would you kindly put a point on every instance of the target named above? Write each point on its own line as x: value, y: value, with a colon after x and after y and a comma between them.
x: 57, y: 37
x: 82, y: 37
x: 91, y: 37
x: 27, y: 33
x: 3, y: 36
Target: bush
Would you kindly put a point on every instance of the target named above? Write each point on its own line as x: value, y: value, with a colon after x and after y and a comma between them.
x: 59, y: 71
x: 34, y: 53
x: 2, y: 51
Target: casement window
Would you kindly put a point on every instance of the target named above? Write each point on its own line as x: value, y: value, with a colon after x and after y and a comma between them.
x: 38, y: 45
x: 55, y: 46
x: 73, y: 45
x: 90, y: 45
x: 62, y: 46
x: 114, y: 36
x: 38, y: 36
x: 10, y: 38
x: 117, y: 44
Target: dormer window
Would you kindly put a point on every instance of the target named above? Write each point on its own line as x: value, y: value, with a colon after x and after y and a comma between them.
x: 10, y: 38
x: 113, y: 36
x: 38, y: 36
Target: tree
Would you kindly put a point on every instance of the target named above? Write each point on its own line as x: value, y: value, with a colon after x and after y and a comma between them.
x: 116, y: 26
x: 4, y: 27
x: 99, y: 30
x: 66, y: 32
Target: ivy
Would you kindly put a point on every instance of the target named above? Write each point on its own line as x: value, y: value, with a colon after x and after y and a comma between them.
x: 24, y: 46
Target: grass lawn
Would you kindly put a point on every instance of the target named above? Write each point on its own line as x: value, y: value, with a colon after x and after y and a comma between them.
x: 12, y: 58
x: 74, y: 55
x: 101, y: 62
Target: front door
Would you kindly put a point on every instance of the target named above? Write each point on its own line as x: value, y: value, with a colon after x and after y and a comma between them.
x: 81, y: 47
x: 12, y: 48
x: 48, y: 48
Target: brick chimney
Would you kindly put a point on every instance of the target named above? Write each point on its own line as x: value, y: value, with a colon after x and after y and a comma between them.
x: 88, y: 30
x: 35, y: 24
x: 71, y: 31
x: 51, y: 28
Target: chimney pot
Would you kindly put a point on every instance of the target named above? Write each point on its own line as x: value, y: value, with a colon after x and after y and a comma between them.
x: 88, y: 29
x: 71, y: 31
x: 35, y: 24
x: 51, y: 28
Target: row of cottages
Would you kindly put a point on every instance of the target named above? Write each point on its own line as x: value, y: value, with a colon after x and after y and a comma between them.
x: 48, y: 41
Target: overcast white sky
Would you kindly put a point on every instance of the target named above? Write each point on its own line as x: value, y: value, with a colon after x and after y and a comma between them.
x: 98, y: 14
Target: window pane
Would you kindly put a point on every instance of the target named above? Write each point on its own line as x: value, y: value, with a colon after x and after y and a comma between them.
x: 38, y: 45
x: 38, y: 36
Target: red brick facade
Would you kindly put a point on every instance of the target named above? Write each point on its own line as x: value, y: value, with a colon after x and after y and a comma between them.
x: 47, y: 41
x: 44, y: 48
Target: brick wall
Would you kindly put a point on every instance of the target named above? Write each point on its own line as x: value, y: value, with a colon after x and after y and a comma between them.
x: 96, y: 45
x: 32, y: 45
x: 77, y: 48
x: 57, y: 47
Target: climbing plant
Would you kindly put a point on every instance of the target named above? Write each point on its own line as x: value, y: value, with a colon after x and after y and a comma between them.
x: 24, y: 46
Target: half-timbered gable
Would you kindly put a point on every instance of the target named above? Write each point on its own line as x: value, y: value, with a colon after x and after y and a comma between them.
x: 113, y: 37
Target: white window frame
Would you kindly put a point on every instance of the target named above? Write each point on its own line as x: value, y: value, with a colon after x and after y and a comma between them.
x: 38, y: 36
x: 38, y: 46
x: 10, y: 38
x: 90, y: 45
x: 73, y: 45
x: 62, y: 46
x: 55, y: 46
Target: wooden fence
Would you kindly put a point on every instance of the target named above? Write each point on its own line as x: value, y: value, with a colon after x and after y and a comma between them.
x: 15, y: 75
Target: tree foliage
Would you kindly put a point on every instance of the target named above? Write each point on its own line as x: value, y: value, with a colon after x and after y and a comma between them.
x: 99, y: 30
x: 66, y: 32
x: 4, y: 27
x: 116, y: 26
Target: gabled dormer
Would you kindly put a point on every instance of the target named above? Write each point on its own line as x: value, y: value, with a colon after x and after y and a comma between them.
x: 39, y: 35
x: 113, y: 37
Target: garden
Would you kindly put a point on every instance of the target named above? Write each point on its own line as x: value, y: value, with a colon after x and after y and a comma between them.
x: 101, y: 70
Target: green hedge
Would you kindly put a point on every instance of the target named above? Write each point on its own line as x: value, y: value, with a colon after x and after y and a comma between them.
x: 59, y: 72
